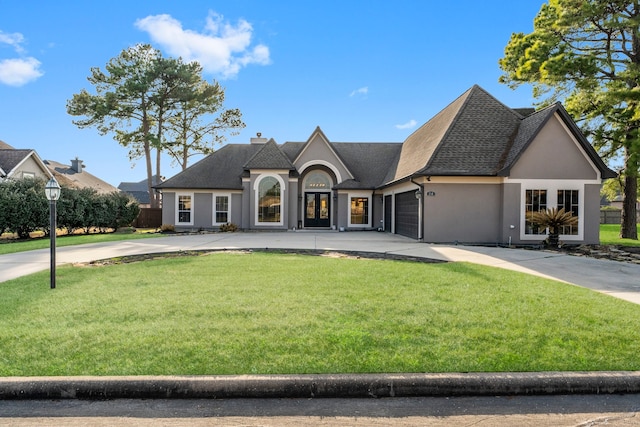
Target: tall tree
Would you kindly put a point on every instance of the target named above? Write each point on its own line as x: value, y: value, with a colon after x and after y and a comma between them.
x: 123, y: 104
x: 587, y: 53
x: 193, y: 128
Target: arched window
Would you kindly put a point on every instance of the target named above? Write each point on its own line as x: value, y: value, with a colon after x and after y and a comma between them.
x: 269, y: 200
x: 317, y: 181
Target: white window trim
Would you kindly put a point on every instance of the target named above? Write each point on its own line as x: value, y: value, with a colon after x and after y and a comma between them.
x: 552, y: 187
x: 177, y: 204
x: 369, y: 208
x: 256, y: 194
x: 214, y: 212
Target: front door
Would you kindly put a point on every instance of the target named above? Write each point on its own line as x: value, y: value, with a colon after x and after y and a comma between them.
x: 316, y: 209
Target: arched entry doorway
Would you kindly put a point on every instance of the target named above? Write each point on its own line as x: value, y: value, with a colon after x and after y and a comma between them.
x: 317, y: 199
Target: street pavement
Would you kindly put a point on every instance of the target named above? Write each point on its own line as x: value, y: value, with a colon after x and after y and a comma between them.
x: 502, y: 411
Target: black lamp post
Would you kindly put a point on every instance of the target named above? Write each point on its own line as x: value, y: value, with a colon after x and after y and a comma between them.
x: 52, y: 191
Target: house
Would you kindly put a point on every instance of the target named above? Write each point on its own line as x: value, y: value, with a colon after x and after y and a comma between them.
x: 21, y: 163
x: 471, y: 174
x: 25, y: 163
x: 75, y: 176
x: 140, y: 190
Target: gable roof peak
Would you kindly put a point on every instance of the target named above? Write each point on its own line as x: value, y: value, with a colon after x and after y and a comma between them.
x: 269, y: 157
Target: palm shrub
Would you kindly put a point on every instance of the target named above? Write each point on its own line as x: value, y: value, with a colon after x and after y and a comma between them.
x: 554, y: 220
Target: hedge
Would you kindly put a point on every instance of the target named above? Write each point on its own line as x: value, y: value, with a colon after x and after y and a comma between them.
x: 24, y: 208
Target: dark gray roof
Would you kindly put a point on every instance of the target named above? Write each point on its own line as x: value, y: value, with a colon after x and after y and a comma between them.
x: 220, y: 170
x: 475, y: 135
x: 130, y: 187
x: 269, y: 157
x: 10, y: 158
x: 476, y: 139
x: 141, y: 197
x: 368, y: 162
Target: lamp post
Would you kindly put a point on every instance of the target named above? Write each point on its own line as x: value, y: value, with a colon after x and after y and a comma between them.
x: 52, y: 192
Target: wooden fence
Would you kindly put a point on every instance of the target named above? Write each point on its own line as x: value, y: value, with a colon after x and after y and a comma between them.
x: 148, y: 218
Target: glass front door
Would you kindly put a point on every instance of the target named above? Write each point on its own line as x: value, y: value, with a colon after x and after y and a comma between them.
x: 316, y: 210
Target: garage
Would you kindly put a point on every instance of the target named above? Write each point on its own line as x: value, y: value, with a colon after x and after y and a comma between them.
x: 407, y: 214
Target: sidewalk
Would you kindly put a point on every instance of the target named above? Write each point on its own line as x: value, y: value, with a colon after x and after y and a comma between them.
x: 620, y: 280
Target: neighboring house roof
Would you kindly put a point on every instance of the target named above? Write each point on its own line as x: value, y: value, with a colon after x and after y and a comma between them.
x: 139, y: 190
x: 11, y: 159
x: 5, y: 146
x: 475, y: 135
x: 75, y: 176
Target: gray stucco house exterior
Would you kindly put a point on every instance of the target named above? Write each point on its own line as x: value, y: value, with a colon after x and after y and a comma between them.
x: 470, y: 175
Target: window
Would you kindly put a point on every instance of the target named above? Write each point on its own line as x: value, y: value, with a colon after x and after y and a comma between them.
x: 184, y: 209
x: 535, y: 201
x: 269, y: 202
x: 568, y: 200
x: 317, y: 181
x: 221, y: 210
x: 552, y: 195
x: 359, y: 211
x: 30, y: 175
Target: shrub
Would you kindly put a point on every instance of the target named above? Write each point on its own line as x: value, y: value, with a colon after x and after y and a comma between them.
x: 228, y: 227
x: 165, y: 228
x: 24, y: 207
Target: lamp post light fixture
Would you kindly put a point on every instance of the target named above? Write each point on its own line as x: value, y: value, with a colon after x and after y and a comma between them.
x: 52, y: 192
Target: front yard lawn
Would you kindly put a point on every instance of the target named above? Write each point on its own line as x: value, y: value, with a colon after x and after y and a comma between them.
x: 8, y: 246
x: 610, y: 235
x: 268, y: 313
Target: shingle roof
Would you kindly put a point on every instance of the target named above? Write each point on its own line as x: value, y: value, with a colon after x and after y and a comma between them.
x: 130, y: 187
x: 10, y: 158
x: 269, y: 157
x: 475, y: 135
x: 476, y: 139
x: 220, y: 170
x: 369, y: 162
x: 68, y: 177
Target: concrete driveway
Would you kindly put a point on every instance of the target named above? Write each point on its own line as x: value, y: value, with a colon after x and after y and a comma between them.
x: 618, y: 279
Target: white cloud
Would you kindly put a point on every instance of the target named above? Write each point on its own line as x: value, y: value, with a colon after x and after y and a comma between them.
x: 409, y: 125
x: 362, y: 91
x: 222, y: 48
x: 17, y: 71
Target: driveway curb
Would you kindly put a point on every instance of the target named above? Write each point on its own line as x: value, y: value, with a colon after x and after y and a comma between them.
x: 321, y: 386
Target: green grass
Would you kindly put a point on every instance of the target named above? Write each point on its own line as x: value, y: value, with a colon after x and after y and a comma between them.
x: 266, y: 313
x: 8, y: 246
x: 610, y: 235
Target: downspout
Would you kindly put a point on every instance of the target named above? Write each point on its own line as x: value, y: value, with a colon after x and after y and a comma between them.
x: 420, y: 209
x: 373, y: 205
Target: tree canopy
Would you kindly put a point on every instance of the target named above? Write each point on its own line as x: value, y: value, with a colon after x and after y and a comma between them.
x: 586, y: 53
x: 140, y: 98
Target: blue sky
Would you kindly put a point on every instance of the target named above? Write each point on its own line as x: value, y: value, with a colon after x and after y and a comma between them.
x: 364, y: 71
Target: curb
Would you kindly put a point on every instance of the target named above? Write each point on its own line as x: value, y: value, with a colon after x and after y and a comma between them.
x: 321, y: 386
